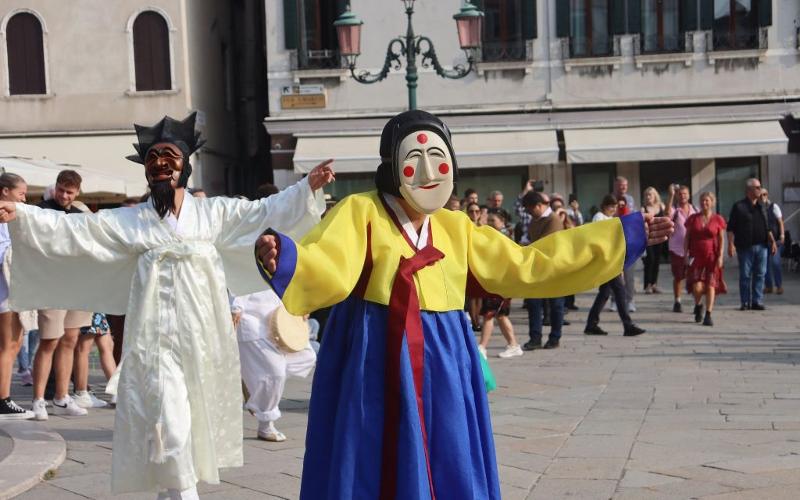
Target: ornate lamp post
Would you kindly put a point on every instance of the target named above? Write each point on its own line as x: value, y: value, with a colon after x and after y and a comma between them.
x: 469, y: 22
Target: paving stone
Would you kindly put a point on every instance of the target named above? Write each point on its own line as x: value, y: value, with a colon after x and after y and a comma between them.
x: 586, y: 468
x: 574, y: 489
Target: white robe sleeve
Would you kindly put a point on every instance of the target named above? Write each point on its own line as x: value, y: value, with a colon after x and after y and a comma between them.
x: 76, y: 261
x: 293, y: 211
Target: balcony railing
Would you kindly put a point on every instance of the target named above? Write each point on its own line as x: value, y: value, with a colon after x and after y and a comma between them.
x: 666, y: 44
x: 516, y: 50
x: 581, y: 47
x: 317, y: 59
x: 723, y: 40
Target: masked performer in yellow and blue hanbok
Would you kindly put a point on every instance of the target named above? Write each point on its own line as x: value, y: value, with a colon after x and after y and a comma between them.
x: 398, y: 405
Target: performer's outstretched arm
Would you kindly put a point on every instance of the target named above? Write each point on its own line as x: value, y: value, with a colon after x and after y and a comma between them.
x: 324, y: 269
x: 560, y: 264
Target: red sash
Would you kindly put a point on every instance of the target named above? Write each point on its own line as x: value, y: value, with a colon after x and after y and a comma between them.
x: 404, y: 316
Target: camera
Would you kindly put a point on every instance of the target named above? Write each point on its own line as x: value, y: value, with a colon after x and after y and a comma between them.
x: 538, y: 186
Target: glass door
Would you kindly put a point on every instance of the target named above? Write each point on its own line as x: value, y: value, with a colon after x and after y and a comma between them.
x: 732, y: 174
x: 590, y: 182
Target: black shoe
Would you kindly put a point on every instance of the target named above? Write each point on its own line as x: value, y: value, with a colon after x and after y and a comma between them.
x: 758, y: 307
x: 565, y: 323
x: 633, y: 331
x: 698, y: 313
x: 594, y: 330
x: 10, y: 411
x: 676, y: 307
x: 546, y: 322
x: 531, y: 345
x: 744, y: 307
x: 707, y: 321
x: 551, y: 344
x: 573, y: 307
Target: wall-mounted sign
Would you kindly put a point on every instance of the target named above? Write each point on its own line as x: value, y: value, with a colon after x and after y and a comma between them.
x: 303, y: 97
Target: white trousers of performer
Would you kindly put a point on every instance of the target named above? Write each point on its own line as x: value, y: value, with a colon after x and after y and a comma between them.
x: 264, y: 371
x: 187, y: 494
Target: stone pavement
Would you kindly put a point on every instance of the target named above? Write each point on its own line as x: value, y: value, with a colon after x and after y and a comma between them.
x: 683, y: 411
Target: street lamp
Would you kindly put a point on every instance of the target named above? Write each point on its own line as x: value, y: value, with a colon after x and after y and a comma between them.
x: 469, y: 22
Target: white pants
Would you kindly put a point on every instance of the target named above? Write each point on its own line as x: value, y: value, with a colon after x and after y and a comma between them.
x: 264, y: 371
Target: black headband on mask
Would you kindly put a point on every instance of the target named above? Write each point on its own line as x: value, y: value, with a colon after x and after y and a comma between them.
x: 178, y: 132
x: 387, y: 177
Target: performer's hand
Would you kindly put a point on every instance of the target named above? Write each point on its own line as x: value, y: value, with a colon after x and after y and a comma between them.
x: 731, y: 250
x: 8, y: 211
x: 658, y: 229
x: 267, y: 251
x: 237, y: 318
x: 321, y: 175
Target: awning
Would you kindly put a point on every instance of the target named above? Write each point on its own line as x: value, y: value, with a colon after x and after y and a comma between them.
x: 39, y: 174
x: 479, y: 149
x: 675, y: 142
x: 99, y: 157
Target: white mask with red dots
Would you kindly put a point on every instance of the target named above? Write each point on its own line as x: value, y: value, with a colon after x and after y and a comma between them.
x: 426, y: 171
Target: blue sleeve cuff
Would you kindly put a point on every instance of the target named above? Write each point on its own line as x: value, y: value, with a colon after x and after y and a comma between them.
x: 635, y: 237
x: 287, y: 263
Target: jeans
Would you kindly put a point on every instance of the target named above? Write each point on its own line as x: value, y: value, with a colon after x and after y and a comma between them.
x: 617, y: 287
x: 652, y: 258
x: 774, y: 277
x: 30, y: 342
x: 536, y: 314
x: 752, y: 271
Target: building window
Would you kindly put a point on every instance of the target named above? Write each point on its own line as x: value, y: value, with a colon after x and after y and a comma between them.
x: 736, y: 24
x: 661, y: 26
x: 25, y: 46
x: 590, y: 183
x: 151, y: 52
x: 508, y: 24
x: 590, y: 33
x: 309, y: 29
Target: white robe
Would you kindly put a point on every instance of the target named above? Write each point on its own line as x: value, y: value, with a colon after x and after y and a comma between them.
x: 264, y: 366
x: 179, y: 406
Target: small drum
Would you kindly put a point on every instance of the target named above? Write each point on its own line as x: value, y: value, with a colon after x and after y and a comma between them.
x: 288, y: 332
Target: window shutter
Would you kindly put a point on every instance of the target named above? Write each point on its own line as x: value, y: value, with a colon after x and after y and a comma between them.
x: 706, y: 14
x: 290, y: 24
x: 634, y: 16
x: 25, y: 55
x: 529, y: 19
x: 563, y: 19
x: 151, y: 52
x: 765, y: 12
x: 617, y: 13
x: 688, y: 15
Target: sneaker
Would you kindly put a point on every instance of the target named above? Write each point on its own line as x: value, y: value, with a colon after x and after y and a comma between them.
x: 482, y: 350
x: 595, y: 330
x: 758, y: 307
x: 707, y: 321
x: 698, y: 313
x: 676, y: 307
x: 511, y: 351
x: 268, y: 432
x: 633, y: 331
x: 27, y: 379
x: 87, y: 399
x: 655, y: 289
x: 67, y: 406
x: 631, y: 307
x: 113, y: 400
x: 648, y: 290
x: 532, y: 345
x: 551, y: 344
x: 39, y: 409
x: 613, y: 307
x: 9, y: 410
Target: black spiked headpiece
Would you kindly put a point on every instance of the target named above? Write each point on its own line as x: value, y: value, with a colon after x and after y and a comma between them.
x: 180, y: 133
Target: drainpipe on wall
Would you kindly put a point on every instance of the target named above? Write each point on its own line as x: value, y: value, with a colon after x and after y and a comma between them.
x: 548, y: 89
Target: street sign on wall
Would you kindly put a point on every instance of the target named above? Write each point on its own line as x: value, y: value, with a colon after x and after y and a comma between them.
x: 303, y: 97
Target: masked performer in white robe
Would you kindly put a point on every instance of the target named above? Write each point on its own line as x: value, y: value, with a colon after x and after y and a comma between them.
x: 166, y: 265
x: 265, y: 366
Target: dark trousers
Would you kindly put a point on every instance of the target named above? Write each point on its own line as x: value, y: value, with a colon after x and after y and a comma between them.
x: 617, y: 287
x: 652, y: 259
x: 536, y: 317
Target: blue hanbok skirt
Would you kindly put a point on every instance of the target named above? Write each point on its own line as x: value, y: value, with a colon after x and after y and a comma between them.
x: 345, y: 424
